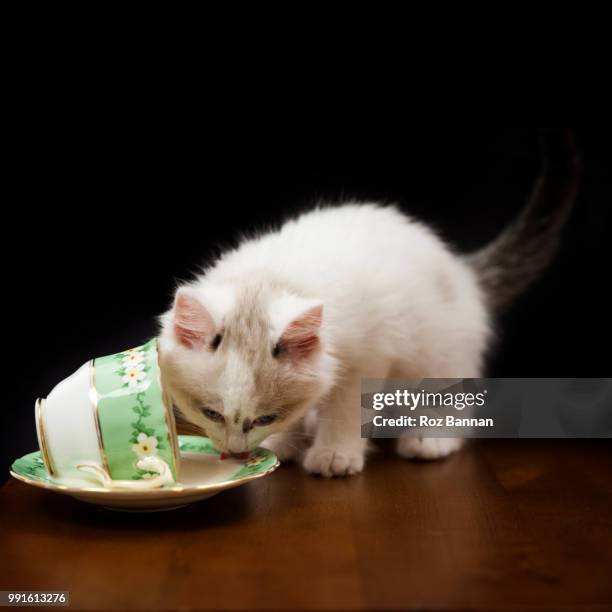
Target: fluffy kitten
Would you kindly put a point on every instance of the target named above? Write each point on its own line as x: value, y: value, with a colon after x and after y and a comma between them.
x: 291, y: 321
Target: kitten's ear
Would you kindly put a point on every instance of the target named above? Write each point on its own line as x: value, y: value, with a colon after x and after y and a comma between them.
x: 300, y: 338
x: 193, y: 324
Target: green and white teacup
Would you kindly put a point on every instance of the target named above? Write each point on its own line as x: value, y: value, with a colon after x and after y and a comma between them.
x: 111, y: 419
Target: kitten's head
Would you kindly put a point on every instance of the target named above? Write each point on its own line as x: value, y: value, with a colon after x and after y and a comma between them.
x: 243, y: 363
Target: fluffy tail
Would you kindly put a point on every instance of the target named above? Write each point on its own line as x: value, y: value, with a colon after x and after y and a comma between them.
x: 519, y: 255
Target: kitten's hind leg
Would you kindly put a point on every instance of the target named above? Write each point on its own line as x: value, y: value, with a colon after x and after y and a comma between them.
x: 430, y: 449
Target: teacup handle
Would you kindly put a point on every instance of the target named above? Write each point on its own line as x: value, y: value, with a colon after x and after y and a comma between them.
x: 151, y: 464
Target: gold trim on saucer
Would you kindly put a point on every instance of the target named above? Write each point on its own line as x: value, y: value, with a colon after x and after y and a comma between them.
x: 93, y: 396
x: 42, y: 437
x: 169, y: 416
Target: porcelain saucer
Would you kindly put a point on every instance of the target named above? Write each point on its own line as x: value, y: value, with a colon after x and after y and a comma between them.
x: 202, y: 474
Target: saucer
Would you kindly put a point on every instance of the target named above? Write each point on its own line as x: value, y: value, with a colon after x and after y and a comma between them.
x: 202, y: 474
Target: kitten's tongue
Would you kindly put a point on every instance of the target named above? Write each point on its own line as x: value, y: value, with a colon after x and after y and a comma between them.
x: 241, y: 456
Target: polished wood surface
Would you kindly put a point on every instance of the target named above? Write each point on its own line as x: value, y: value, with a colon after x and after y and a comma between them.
x: 503, y: 525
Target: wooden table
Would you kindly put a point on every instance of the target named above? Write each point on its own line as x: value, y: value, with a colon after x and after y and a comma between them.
x: 503, y: 525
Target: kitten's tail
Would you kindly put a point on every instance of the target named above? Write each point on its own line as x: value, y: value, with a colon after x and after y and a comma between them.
x: 519, y: 255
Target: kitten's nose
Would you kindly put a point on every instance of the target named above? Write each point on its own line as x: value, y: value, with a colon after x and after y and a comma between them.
x: 237, y: 444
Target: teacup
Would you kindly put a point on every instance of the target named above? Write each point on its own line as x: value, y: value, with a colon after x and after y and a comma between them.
x: 112, y: 420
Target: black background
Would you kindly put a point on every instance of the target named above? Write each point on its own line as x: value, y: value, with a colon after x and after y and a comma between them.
x: 106, y: 211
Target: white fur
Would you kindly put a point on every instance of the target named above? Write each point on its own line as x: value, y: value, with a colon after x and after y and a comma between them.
x: 397, y: 302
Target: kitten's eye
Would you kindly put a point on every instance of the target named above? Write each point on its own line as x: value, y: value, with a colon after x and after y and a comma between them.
x: 216, y: 341
x: 213, y: 415
x: 264, y: 420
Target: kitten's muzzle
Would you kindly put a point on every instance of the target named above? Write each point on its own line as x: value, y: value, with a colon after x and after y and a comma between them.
x: 237, y: 444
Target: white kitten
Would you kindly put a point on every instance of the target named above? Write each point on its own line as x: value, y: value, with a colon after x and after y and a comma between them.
x: 294, y: 319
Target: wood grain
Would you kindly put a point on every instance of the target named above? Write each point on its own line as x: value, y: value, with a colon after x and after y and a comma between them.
x: 503, y: 525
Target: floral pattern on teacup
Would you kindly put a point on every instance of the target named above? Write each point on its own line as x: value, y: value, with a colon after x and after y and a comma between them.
x: 145, y: 445
x: 133, y: 370
x: 133, y: 375
x: 134, y: 358
x: 133, y: 367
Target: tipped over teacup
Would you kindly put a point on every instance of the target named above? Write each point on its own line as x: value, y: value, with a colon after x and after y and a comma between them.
x: 112, y: 422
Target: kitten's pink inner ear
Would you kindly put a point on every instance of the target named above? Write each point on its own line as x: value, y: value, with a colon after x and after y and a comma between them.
x: 301, y: 337
x: 193, y: 325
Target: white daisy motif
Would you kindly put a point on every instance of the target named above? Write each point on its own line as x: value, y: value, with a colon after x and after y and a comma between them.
x: 133, y: 358
x: 146, y: 445
x: 134, y: 374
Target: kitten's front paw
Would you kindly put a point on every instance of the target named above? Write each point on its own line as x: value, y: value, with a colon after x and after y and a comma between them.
x: 328, y: 462
x: 427, y: 448
x: 285, y: 446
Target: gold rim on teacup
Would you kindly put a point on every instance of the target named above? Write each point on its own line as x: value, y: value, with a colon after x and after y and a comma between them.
x: 93, y: 398
x: 42, y: 437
